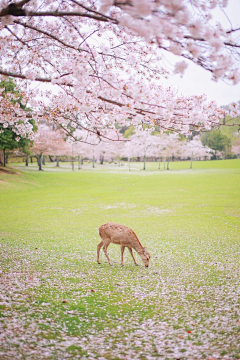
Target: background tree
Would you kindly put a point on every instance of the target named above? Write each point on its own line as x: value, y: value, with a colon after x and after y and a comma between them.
x: 48, y: 142
x: 195, y: 149
x: 216, y: 141
x: 172, y: 147
x: 144, y: 143
x: 81, y: 148
x: 107, y: 149
x: 236, y: 147
x: 16, y: 131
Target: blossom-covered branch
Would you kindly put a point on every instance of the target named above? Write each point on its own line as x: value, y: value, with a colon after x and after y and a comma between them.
x: 104, y: 62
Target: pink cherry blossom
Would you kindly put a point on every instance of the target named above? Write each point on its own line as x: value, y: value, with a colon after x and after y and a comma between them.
x: 180, y: 67
x: 100, y: 62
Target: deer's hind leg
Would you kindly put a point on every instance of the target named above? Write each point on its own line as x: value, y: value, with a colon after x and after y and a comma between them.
x: 98, y: 250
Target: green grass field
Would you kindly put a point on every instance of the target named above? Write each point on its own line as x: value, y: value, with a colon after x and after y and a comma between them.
x: 56, y: 302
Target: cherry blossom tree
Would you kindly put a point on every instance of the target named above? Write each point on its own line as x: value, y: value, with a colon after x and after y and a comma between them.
x: 81, y: 148
x: 58, y: 146
x: 108, y: 149
x: 144, y: 144
x: 236, y: 147
x: 86, y: 147
x: 130, y: 150
x: 160, y: 144
x: 171, y: 147
x: 119, y: 150
x: 48, y: 142
x: 195, y: 148
x: 102, y: 60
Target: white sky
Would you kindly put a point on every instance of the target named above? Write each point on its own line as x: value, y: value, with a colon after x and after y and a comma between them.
x: 195, y: 80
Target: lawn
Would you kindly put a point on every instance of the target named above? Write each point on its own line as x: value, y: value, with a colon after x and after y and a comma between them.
x: 56, y: 302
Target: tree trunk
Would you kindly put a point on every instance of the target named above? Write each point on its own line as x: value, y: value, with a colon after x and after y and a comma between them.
x: 168, y: 164
x: 27, y: 160
x: 79, y: 162
x: 93, y: 162
x: 144, y: 162
x: 191, y: 161
x: 57, y: 161
x: 31, y: 159
x: 119, y: 164
x: 129, y: 164
x: 164, y: 163
x: 72, y: 163
x: 4, y: 157
x: 159, y: 163
x: 43, y: 159
x: 39, y: 161
x: 50, y: 158
x: 1, y: 157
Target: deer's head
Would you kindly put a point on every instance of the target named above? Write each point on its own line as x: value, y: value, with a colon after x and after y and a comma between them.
x: 145, y: 256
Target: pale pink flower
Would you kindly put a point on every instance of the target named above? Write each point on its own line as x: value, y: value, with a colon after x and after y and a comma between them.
x: 213, y: 4
x: 30, y: 75
x: 183, y: 16
x: 234, y: 76
x: 194, y: 49
x: 196, y: 28
x: 143, y: 7
x: 169, y: 29
x: 176, y: 48
x: 105, y: 5
x: 180, y: 67
x: 217, y: 43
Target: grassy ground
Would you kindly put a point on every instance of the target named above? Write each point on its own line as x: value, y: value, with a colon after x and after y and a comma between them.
x: 56, y: 302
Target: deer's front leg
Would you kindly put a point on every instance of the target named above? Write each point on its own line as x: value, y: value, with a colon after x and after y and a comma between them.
x: 131, y: 252
x: 105, y: 246
x: 122, y: 251
x: 98, y: 250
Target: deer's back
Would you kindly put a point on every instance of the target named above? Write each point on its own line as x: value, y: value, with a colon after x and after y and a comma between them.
x: 118, y: 234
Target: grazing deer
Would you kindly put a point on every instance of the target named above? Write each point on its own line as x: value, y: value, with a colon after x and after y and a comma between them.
x: 124, y: 236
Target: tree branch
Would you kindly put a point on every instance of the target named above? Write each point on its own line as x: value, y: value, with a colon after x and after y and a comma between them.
x: 13, y: 10
x: 47, y: 34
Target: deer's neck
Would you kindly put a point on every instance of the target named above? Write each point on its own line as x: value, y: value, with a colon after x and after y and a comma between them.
x: 138, y: 248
